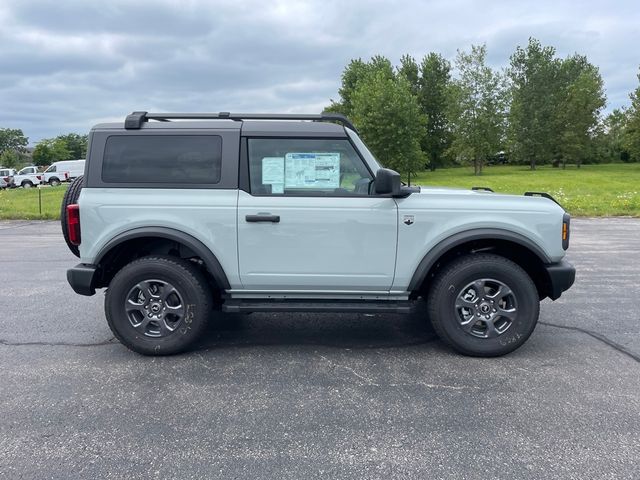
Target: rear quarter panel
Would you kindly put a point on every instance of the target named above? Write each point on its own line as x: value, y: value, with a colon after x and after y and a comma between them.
x: 208, y: 215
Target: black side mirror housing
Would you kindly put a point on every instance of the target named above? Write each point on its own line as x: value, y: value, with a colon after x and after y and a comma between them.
x: 388, y: 183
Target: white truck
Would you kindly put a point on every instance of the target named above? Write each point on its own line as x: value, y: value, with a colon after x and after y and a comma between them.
x: 6, y: 176
x: 63, y: 171
x: 28, y: 177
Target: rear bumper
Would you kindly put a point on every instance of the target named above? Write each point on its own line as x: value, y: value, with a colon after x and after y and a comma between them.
x: 561, y: 277
x: 82, y: 278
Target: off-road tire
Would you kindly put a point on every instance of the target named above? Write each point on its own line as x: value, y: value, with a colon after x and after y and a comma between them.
x: 188, y: 281
x: 70, y: 197
x: 444, y: 316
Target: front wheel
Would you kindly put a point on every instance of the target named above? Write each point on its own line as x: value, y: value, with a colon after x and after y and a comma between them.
x: 54, y: 182
x: 483, y: 305
x: 158, y: 305
x: 27, y: 184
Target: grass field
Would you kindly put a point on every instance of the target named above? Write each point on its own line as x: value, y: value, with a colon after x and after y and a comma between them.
x: 593, y: 190
x: 590, y: 191
x: 19, y: 203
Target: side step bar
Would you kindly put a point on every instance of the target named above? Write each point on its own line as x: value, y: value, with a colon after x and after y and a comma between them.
x: 322, y: 306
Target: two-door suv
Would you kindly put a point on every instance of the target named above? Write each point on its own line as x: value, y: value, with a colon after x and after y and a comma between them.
x: 184, y: 216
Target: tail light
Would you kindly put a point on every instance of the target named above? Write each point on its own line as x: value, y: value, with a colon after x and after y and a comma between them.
x: 66, y: 176
x: 566, y: 230
x: 73, y: 223
x: 39, y: 177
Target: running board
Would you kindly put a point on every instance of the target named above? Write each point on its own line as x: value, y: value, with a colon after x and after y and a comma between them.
x: 317, y: 306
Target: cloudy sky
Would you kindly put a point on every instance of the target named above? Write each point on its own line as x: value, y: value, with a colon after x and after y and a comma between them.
x: 66, y: 64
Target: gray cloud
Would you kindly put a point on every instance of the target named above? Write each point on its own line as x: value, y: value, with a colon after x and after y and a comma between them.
x: 67, y: 65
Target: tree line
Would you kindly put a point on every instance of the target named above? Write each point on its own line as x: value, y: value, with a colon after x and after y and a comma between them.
x: 14, y: 152
x: 541, y: 109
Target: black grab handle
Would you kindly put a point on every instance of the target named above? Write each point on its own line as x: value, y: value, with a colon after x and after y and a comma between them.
x: 263, y: 218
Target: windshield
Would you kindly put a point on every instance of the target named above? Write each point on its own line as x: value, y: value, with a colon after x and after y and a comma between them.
x: 362, y: 148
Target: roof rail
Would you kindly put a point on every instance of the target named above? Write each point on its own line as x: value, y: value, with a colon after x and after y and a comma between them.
x: 136, y: 119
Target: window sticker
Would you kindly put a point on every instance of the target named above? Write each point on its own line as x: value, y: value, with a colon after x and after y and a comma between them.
x: 273, y: 173
x: 312, y: 170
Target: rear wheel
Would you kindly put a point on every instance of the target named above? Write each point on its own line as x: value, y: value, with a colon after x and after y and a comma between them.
x: 483, y: 305
x: 70, y: 197
x: 158, y: 305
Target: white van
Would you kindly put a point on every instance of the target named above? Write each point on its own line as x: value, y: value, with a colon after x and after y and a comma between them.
x: 63, y: 171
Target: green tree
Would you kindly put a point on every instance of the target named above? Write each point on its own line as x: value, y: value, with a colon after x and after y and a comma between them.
x: 579, y: 110
x: 477, y: 106
x: 353, y: 74
x: 12, y: 139
x: 10, y: 159
x: 631, y: 140
x: 608, y: 142
x: 533, y: 73
x: 409, y: 69
x: 51, y: 150
x: 76, y: 144
x: 434, y: 83
x: 390, y: 122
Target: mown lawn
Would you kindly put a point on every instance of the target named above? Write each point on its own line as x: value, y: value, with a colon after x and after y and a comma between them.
x: 593, y: 190
x: 20, y: 203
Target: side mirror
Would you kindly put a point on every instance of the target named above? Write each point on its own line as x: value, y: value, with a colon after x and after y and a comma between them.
x: 387, y: 182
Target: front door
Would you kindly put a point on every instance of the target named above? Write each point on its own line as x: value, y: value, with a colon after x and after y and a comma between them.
x: 308, y: 221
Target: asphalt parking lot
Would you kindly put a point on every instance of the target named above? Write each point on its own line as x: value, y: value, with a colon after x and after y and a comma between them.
x: 319, y: 396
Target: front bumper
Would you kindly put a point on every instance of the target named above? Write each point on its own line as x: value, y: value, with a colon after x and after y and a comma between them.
x: 561, y: 277
x: 82, y: 278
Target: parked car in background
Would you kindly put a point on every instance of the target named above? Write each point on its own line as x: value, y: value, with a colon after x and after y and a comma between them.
x: 3, y: 183
x: 7, y: 175
x: 55, y: 175
x: 74, y: 168
x: 28, y: 177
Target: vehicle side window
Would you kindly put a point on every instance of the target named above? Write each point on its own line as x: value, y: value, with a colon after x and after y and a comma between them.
x: 313, y: 167
x: 174, y: 159
x: 51, y: 169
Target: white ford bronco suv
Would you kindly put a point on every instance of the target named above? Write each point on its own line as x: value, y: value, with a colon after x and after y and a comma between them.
x: 183, y: 216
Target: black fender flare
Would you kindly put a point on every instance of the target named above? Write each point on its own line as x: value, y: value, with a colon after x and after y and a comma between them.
x: 199, y: 248
x: 433, y: 255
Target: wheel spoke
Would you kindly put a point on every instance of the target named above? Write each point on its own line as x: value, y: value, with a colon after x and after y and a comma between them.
x: 502, y: 292
x: 507, y: 313
x: 478, y: 286
x: 177, y: 310
x: 167, y: 290
x: 165, y: 329
x: 461, y: 302
x: 468, y: 326
x: 142, y: 326
x: 132, y: 306
x: 491, y: 330
x: 146, y: 287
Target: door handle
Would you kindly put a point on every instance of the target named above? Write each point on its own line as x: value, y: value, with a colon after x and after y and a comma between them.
x: 263, y: 217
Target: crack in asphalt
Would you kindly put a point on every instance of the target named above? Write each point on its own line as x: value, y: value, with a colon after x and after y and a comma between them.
x: 597, y: 336
x: 57, y: 344
x: 112, y: 341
